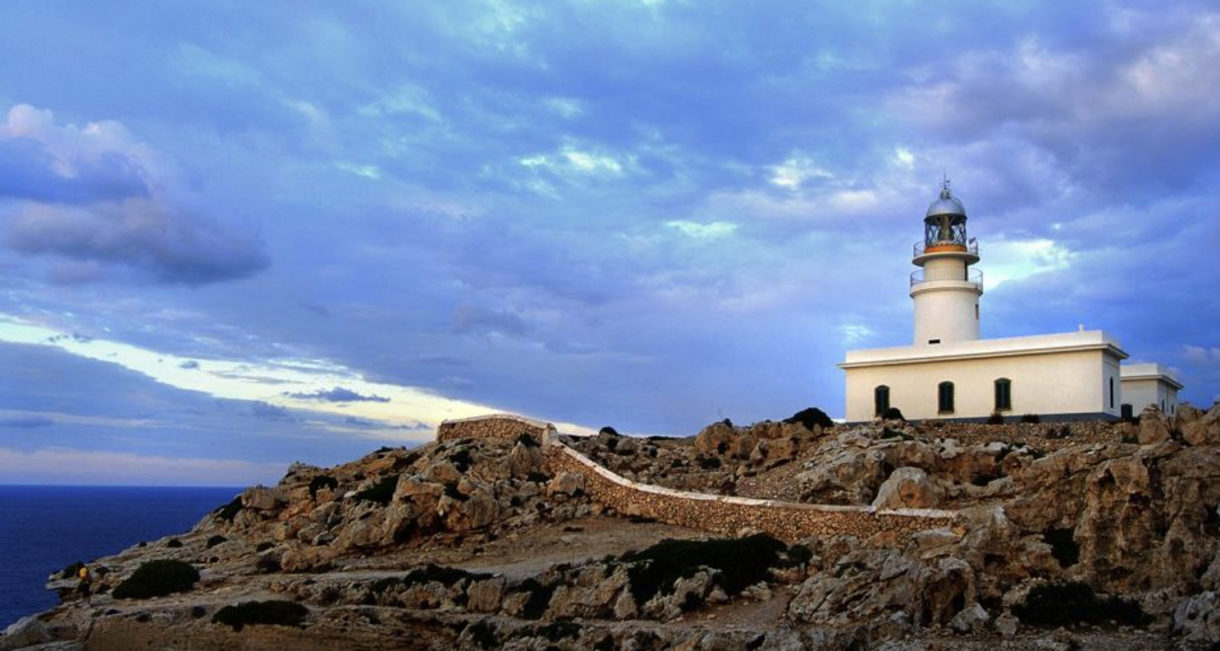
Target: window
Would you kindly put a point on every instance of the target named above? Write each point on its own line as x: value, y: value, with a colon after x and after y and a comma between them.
x: 1111, y: 393
x: 944, y: 399
x: 1127, y: 412
x: 881, y: 400
x: 933, y: 341
x: 1003, y: 394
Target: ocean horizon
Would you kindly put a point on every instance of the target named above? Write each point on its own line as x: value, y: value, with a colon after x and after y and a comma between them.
x: 46, y: 528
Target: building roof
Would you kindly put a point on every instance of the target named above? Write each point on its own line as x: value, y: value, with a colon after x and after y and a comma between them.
x: 984, y: 348
x: 1149, y: 371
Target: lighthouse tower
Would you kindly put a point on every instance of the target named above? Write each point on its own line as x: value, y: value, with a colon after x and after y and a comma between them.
x: 945, y: 289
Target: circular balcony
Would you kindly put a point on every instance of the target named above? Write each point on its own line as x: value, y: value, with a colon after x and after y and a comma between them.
x: 973, y: 276
x: 968, y: 250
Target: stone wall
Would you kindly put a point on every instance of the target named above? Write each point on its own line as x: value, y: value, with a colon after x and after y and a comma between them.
x: 730, y: 515
x: 500, y: 427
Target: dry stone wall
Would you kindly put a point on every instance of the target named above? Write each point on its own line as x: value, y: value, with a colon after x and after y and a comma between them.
x: 730, y: 515
x: 499, y: 427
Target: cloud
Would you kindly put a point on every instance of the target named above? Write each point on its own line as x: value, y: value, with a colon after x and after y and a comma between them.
x: 26, y: 422
x: 64, y: 465
x: 267, y: 410
x: 468, y: 319
x: 1201, y: 355
x: 189, y: 364
x: 337, y: 394
x: 95, y: 195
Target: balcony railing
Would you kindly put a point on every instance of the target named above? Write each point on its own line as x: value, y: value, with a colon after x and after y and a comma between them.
x: 971, y: 247
x: 972, y: 276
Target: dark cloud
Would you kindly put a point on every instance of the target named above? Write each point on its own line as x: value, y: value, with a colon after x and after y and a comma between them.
x: 262, y: 409
x: 27, y: 172
x: 337, y: 394
x: 189, y: 364
x: 26, y: 422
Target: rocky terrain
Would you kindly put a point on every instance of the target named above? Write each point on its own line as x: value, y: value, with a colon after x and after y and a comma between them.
x: 1081, y: 535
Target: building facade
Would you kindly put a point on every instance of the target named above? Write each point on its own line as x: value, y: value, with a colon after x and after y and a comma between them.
x: 951, y: 373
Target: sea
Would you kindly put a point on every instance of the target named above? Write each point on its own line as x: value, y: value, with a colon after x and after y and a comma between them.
x: 44, y: 529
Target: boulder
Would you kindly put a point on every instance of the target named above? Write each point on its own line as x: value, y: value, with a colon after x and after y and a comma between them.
x: 524, y: 459
x: 484, y: 596
x: 566, y: 483
x: 261, y: 498
x: 25, y: 632
x: 908, y: 488
x: 1196, y: 621
x: 971, y: 619
x: 1153, y: 428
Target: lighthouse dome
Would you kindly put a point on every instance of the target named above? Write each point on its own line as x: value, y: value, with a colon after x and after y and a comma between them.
x: 946, y: 204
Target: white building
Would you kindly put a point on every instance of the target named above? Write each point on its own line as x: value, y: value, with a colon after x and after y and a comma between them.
x: 950, y: 373
x: 1149, y: 384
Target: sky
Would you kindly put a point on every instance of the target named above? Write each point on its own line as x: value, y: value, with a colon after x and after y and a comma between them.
x: 235, y: 235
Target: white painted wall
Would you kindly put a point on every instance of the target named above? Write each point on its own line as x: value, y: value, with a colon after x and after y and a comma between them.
x: 1044, y: 383
x: 946, y: 303
x: 1150, y: 384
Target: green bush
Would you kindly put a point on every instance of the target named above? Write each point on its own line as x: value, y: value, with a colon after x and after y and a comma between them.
x: 173, y: 543
x: 893, y: 413
x: 1063, y: 546
x: 996, y: 418
x: 381, y: 492
x: 540, y: 598
x: 1057, y: 604
x: 249, y: 613
x: 230, y: 510
x: 527, y: 440
x: 321, y: 481
x: 214, y: 540
x: 157, y: 579
x: 71, y: 571
x: 483, y: 634
x: 811, y: 417
x: 608, y: 431
x: 742, y: 562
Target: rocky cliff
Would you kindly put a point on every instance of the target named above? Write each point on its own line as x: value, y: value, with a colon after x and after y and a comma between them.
x: 1082, y: 535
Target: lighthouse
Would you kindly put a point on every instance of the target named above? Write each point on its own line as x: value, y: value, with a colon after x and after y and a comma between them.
x: 945, y: 289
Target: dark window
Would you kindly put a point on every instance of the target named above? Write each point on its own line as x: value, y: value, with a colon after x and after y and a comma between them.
x: 1162, y: 406
x: 1111, y: 393
x: 1003, y: 394
x: 881, y: 400
x: 944, y: 399
x: 1127, y: 412
x: 934, y: 341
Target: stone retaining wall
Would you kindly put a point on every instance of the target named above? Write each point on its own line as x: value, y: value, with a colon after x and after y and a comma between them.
x: 729, y: 515
x: 500, y: 427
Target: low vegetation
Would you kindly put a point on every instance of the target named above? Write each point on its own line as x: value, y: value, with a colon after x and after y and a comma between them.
x: 741, y: 562
x: 318, y: 483
x: 381, y: 492
x: 157, y: 579
x: 247, y: 613
x: 1058, y: 604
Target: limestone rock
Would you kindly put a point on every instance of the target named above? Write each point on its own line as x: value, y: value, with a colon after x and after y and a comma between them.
x: 484, y: 596
x: 261, y: 498
x: 1153, y: 428
x: 524, y: 459
x: 1197, y: 619
x: 27, y: 631
x: 566, y: 483
x: 971, y: 619
x: 909, y: 488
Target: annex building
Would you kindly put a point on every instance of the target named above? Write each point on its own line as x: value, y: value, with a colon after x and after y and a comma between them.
x: 950, y: 373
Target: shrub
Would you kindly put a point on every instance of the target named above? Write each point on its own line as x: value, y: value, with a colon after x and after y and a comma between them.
x: 461, y: 460
x: 268, y: 564
x: 214, y: 540
x: 983, y: 478
x: 71, y: 571
x: 799, y: 555
x: 742, y: 562
x: 893, y: 413
x: 230, y: 510
x: 173, y: 543
x: 157, y: 579
x: 537, y: 477
x: 810, y: 417
x: 451, y: 491
x: 540, y: 598
x: 556, y: 631
x: 264, y: 546
x: 1030, y: 418
x: 249, y: 613
x: 446, y: 576
x: 1063, y: 546
x: 318, y: 483
x: 483, y: 634
x: 381, y: 492
x: 527, y: 440
x: 608, y: 431
x: 707, y: 463
x: 996, y: 418
x: 1057, y: 604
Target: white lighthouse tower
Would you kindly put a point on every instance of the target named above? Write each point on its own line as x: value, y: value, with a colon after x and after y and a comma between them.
x: 945, y: 289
